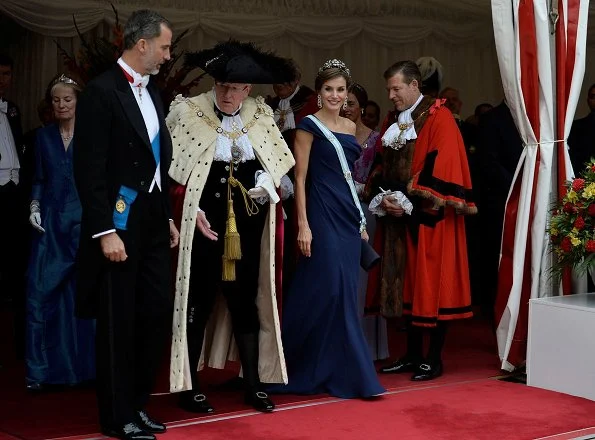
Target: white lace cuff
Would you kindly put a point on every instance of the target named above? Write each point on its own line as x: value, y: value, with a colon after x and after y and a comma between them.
x: 395, y: 196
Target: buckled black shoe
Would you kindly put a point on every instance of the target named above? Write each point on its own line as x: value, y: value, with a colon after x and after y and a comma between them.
x: 195, y: 402
x: 260, y: 401
x: 148, y: 424
x: 427, y: 371
x: 403, y: 365
x: 130, y: 431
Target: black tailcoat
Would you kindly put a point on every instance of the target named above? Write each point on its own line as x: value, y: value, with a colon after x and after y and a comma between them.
x: 113, y: 149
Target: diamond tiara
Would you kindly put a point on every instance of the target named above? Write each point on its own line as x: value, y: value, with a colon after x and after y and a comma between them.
x: 63, y: 79
x: 335, y: 63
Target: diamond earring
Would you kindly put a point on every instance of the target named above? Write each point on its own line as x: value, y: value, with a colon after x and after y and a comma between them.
x: 319, y: 102
x: 345, y: 104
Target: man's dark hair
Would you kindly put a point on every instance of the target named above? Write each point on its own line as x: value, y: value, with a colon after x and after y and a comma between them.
x: 590, y: 88
x: 408, y: 69
x: 482, y: 108
x: 143, y: 23
x: 5, y: 60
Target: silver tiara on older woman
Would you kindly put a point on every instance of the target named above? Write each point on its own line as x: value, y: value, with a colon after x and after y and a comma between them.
x: 334, y: 64
x: 63, y: 79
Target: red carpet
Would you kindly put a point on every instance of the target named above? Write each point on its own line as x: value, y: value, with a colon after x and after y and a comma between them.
x: 470, y: 354
x: 485, y: 409
x: 462, y: 404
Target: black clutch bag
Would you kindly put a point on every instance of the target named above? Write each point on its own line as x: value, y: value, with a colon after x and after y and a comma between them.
x: 369, y: 257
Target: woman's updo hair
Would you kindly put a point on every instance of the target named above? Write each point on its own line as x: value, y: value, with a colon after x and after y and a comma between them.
x: 332, y: 69
x: 360, y: 94
x: 61, y: 80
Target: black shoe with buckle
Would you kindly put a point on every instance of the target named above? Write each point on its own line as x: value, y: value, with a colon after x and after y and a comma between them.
x: 427, y: 371
x: 195, y: 402
x: 148, y: 424
x: 403, y: 365
x: 260, y: 401
x: 130, y: 431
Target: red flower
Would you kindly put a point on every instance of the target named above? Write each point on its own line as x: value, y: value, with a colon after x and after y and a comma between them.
x: 591, y: 210
x: 566, y: 244
x: 579, y: 223
x: 590, y: 246
x: 569, y: 208
x: 578, y: 184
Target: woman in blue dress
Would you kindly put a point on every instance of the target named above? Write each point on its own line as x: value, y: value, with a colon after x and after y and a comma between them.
x: 60, y: 348
x: 325, y: 349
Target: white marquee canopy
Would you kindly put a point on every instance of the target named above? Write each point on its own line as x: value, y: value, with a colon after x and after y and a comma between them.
x: 369, y: 35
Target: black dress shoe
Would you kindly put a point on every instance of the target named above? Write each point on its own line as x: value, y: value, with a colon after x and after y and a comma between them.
x: 427, y: 371
x: 148, y: 424
x: 403, y: 365
x: 260, y: 401
x: 130, y: 431
x: 195, y: 402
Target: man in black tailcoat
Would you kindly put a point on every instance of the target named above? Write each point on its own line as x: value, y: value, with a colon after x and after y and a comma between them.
x: 121, y: 162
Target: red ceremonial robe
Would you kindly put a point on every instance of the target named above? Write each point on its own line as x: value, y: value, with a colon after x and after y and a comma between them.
x: 435, y: 284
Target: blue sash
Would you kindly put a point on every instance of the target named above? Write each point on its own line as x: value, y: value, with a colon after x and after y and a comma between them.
x: 126, y: 195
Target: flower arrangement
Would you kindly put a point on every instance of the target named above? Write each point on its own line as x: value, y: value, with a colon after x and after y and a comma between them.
x: 100, y: 54
x: 572, y: 225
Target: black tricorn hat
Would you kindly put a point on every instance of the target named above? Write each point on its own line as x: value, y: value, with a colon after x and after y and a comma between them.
x: 237, y: 62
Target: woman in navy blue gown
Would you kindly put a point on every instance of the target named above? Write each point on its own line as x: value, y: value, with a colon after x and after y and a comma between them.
x: 60, y: 348
x: 325, y: 349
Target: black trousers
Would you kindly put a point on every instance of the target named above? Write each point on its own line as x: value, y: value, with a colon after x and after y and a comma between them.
x: 206, y: 265
x: 135, y: 310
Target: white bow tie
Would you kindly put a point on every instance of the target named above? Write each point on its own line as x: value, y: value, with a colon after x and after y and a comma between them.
x: 3, y: 106
x: 140, y: 80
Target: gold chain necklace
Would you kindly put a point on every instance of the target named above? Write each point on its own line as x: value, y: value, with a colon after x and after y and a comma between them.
x: 400, y: 141
x: 236, y: 151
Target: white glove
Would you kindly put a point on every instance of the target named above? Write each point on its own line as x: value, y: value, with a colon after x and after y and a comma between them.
x: 286, y: 187
x: 264, y: 188
x: 35, y: 216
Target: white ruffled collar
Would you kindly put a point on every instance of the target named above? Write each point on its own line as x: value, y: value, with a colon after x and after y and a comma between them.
x: 223, y: 143
x: 403, y: 130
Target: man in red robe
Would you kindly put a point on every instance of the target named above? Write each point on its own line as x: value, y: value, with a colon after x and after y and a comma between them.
x: 424, y: 273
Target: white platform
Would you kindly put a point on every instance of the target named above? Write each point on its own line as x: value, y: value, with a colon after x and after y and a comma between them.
x: 561, y: 344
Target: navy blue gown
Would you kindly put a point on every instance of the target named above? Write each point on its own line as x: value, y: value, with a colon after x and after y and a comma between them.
x: 325, y: 348
x: 60, y: 348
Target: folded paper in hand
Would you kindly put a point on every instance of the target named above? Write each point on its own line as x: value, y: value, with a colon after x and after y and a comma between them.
x: 396, y: 197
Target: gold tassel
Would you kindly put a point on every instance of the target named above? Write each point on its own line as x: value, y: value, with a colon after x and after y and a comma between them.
x: 232, y: 249
x: 229, y: 270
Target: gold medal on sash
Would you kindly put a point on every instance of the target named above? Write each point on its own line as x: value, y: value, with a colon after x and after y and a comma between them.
x: 120, y: 206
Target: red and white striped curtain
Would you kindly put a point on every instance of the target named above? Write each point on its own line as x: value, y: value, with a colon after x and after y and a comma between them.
x: 541, y: 53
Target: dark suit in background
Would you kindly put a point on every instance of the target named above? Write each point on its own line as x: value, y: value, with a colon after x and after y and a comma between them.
x: 581, y: 142
x: 499, y: 148
x: 131, y: 300
x: 15, y: 231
